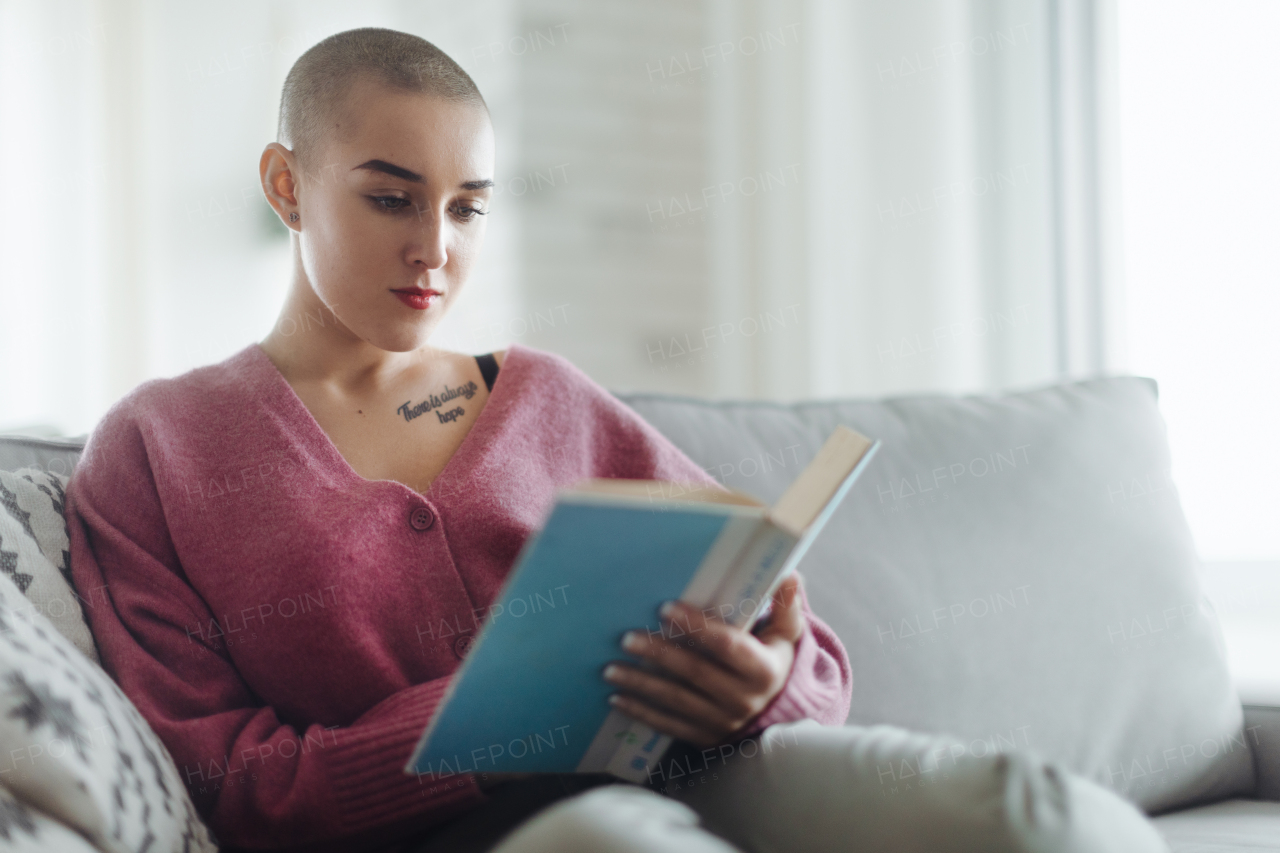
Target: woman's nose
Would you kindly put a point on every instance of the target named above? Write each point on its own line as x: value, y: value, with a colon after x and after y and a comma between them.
x: 432, y: 249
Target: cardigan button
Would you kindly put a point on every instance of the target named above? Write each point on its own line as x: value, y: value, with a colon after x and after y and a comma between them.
x: 462, y: 645
x: 422, y: 518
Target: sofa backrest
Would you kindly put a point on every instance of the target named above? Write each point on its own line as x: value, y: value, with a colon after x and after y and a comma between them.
x: 57, y: 455
x: 1015, y: 570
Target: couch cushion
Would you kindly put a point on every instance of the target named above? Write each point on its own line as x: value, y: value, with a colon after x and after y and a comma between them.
x: 35, y: 552
x: 1015, y: 570
x: 1235, y: 826
x: 1262, y: 723
x: 75, y: 748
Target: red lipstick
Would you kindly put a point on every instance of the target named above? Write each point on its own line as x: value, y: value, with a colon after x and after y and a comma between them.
x: 418, y: 299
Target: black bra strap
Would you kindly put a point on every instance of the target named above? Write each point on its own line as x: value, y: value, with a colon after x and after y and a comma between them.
x: 488, y: 368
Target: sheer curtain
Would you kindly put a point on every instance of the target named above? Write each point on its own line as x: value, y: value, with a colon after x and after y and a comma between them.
x: 774, y: 198
x: 55, y: 175
x: 787, y: 198
x: 953, y: 227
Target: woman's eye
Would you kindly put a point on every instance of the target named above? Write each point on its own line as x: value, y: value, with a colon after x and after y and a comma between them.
x: 391, y: 202
x: 466, y: 213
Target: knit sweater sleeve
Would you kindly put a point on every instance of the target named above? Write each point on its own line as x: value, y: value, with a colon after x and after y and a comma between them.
x: 257, y: 780
x: 820, y: 685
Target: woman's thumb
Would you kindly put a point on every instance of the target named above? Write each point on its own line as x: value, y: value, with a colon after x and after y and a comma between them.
x: 787, y: 619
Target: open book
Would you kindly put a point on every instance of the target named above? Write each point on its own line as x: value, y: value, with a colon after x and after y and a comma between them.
x: 530, y: 697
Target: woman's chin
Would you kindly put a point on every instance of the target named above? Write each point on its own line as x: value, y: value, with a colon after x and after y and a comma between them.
x: 400, y: 338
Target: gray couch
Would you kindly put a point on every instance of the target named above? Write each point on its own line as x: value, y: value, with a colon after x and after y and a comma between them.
x: 1015, y: 570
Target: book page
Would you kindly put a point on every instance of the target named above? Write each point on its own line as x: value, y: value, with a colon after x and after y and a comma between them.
x: 805, y: 498
x: 662, y: 490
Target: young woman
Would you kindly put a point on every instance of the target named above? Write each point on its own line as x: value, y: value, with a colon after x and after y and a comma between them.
x: 282, y: 533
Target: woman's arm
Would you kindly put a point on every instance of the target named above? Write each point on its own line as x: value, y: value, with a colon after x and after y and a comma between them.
x: 256, y: 777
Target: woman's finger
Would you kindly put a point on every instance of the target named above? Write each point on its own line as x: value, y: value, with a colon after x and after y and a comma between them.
x: 671, y: 695
x: 721, y: 686
x: 787, y: 620
x: 661, y: 721
x: 735, y: 649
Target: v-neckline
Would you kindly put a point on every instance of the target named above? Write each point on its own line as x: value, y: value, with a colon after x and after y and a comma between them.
x: 321, y: 439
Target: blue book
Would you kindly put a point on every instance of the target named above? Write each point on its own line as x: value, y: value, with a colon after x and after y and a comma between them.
x: 530, y: 696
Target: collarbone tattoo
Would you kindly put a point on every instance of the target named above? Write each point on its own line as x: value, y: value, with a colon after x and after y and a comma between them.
x: 436, y: 402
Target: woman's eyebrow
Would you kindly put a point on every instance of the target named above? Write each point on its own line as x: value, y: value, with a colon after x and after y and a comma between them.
x: 401, y: 172
x: 395, y: 171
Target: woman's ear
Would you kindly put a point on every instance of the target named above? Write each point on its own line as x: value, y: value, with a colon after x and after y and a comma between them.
x: 276, y: 169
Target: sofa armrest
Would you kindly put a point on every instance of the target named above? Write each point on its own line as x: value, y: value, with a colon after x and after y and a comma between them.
x: 1262, y: 731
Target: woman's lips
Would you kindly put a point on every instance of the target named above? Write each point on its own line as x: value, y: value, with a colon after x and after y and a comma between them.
x: 419, y: 300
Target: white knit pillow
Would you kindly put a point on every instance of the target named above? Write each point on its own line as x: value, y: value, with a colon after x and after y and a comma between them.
x: 27, y: 830
x: 73, y: 746
x: 35, y: 551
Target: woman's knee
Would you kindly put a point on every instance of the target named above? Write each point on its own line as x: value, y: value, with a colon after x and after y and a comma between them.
x: 1012, y: 801
x: 621, y: 818
x: 1046, y: 807
x: 885, y: 787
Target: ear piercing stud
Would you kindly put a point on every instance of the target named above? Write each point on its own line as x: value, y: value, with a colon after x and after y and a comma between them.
x: 293, y: 217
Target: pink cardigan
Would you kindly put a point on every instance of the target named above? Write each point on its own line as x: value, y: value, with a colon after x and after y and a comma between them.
x: 287, y: 627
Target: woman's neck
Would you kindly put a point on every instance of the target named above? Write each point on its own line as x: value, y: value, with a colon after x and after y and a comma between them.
x: 310, y: 344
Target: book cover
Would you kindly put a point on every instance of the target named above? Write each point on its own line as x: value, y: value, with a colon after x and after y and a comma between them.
x: 530, y: 697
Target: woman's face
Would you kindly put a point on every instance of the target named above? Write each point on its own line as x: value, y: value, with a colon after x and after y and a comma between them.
x: 394, y: 200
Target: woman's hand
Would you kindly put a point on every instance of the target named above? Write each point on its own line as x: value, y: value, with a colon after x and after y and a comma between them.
x: 712, y: 679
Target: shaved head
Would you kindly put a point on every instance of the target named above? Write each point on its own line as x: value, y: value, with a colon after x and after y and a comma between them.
x: 317, y: 85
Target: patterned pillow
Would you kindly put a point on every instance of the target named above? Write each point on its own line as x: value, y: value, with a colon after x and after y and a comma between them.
x: 27, y: 830
x: 74, y: 747
x: 35, y: 551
